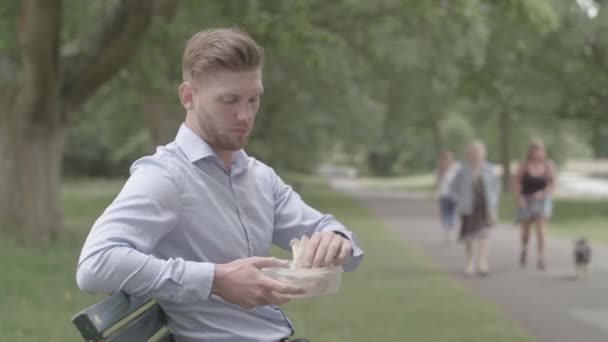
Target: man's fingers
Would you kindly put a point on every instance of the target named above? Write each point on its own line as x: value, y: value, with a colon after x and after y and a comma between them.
x: 319, y: 260
x: 345, y: 251
x: 281, y: 288
x: 311, y: 249
x: 333, y: 251
x: 261, y: 262
x: 277, y: 299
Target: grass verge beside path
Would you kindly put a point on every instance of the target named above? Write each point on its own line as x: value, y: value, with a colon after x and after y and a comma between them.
x: 422, y: 182
x: 396, y: 295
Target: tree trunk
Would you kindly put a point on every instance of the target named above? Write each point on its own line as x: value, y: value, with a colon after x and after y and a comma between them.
x: 381, y: 163
x: 505, y: 147
x: 161, y: 120
x: 383, y: 157
x: 30, y: 203
x: 30, y: 167
x: 32, y: 128
x: 36, y: 97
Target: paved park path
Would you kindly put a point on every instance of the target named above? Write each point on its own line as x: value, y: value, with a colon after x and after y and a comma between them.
x: 552, y: 305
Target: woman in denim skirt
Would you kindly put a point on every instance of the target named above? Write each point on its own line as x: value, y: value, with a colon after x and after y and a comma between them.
x: 532, y: 187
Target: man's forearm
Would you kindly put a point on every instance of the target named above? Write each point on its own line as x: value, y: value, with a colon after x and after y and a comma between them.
x: 125, y: 269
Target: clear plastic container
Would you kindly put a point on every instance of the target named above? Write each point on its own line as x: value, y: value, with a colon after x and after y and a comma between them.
x: 316, y: 281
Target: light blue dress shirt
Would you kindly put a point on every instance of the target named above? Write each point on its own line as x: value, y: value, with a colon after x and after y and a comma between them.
x: 180, y: 213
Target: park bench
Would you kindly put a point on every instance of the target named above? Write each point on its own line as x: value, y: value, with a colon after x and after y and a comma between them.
x: 123, y: 318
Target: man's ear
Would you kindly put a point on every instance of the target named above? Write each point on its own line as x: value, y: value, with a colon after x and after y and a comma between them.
x: 186, y: 95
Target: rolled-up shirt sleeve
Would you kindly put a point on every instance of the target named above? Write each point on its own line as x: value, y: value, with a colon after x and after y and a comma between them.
x: 293, y: 218
x: 117, y: 254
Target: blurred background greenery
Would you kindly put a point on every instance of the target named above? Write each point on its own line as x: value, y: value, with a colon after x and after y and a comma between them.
x: 380, y: 85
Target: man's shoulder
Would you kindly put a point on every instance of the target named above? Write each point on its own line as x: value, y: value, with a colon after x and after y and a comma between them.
x: 260, y: 172
x: 156, y: 176
x: 256, y: 165
x: 167, y: 159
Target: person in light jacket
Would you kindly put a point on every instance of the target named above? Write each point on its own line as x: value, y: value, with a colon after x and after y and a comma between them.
x: 476, y: 192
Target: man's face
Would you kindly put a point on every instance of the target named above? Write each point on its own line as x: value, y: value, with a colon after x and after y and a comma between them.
x: 225, y: 104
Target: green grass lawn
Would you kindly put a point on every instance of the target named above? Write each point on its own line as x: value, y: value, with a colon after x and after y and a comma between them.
x: 396, y: 295
x: 38, y: 292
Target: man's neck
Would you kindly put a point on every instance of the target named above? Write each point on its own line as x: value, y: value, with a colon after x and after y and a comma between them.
x: 225, y: 156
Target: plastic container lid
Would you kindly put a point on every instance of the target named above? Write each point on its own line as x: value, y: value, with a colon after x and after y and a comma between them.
x: 316, y: 281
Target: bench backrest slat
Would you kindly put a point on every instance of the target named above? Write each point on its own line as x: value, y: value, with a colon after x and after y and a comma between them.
x: 141, y: 328
x: 99, y: 317
x: 167, y: 337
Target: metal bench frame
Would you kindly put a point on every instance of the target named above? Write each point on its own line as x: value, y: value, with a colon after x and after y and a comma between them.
x: 123, y: 318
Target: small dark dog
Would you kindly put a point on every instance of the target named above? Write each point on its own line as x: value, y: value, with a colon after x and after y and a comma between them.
x: 582, y: 257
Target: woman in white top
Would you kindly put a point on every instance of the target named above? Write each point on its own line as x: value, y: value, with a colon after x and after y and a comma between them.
x: 446, y: 170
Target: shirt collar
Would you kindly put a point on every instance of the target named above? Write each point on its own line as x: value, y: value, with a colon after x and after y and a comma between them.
x: 196, y: 148
x: 192, y: 145
x: 240, y: 160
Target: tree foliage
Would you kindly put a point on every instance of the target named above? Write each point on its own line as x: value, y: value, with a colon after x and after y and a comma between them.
x: 383, y: 85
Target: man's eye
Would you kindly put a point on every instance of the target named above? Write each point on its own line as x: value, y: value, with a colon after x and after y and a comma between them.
x: 228, y: 99
x: 254, y: 99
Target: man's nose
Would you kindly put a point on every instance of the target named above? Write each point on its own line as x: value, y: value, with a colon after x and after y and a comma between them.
x: 245, y: 112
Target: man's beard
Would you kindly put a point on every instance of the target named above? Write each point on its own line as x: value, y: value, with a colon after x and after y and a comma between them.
x: 231, y: 142
x: 228, y: 141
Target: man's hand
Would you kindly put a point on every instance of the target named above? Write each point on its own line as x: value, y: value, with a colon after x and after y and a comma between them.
x: 327, y: 249
x: 241, y: 282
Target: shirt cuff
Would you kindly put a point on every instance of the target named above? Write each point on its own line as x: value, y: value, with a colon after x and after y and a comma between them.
x: 198, y: 281
x: 341, y: 234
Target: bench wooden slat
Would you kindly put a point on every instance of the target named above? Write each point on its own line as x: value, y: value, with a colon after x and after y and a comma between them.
x: 166, y: 337
x: 99, y: 317
x: 141, y: 328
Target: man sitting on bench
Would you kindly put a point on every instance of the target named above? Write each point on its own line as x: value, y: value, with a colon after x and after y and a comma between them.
x: 193, y: 225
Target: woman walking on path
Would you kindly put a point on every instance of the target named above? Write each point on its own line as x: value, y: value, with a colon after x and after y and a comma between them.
x: 446, y: 170
x: 476, y: 191
x: 532, y: 187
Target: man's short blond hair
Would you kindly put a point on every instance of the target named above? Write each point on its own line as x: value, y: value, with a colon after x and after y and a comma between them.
x: 220, y: 48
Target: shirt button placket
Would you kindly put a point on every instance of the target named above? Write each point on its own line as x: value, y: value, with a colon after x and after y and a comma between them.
x: 238, y: 212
